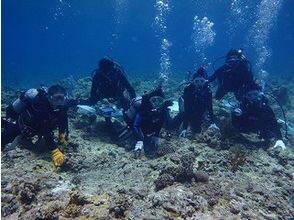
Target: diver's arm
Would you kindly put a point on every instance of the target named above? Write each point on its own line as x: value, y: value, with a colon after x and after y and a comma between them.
x: 187, y: 106
x: 137, y: 127
x: 56, y: 154
x: 209, y: 106
x: 270, y: 123
x: 159, y: 124
x: 186, y: 111
x: 218, y: 73
x: 157, y: 130
x: 94, y: 88
x: 185, y: 121
x: 128, y: 86
x: 63, y: 123
x: 49, y: 139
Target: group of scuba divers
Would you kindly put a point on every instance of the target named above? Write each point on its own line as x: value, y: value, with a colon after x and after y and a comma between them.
x: 38, y: 112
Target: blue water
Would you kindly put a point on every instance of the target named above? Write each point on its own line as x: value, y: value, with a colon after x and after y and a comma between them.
x: 45, y: 41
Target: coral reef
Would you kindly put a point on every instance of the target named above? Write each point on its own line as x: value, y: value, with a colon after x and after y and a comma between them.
x: 210, y: 137
x: 212, y: 176
x: 182, y: 173
x: 237, y: 157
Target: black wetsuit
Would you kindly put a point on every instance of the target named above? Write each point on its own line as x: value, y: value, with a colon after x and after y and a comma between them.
x: 234, y: 76
x: 258, y: 118
x: 36, y: 118
x: 111, y: 84
x: 149, y: 120
x: 196, y: 104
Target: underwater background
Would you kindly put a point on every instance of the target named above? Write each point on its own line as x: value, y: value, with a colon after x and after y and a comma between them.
x: 46, y: 41
x: 214, y: 174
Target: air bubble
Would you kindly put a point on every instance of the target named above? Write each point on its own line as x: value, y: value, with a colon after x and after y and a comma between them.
x: 203, y: 36
x: 266, y: 15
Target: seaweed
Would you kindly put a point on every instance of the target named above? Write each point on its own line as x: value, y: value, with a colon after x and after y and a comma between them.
x: 237, y: 158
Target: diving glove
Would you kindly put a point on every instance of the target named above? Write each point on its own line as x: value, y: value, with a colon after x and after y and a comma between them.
x: 57, y: 157
x: 213, y: 127
x: 62, y: 139
x: 183, y: 133
x: 139, y: 149
x: 139, y: 146
x: 280, y: 143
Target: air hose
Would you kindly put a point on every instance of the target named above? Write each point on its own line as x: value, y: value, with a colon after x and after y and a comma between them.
x: 283, y: 112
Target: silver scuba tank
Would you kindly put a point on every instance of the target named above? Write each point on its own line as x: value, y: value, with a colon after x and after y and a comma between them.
x: 135, y: 104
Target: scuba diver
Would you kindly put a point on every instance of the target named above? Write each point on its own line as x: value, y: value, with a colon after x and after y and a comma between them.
x: 110, y: 81
x: 38, y: 112
x: 255, y: 115
x: 146, y: 117
x: 234, y: 76
x: 194, y: 103
x: 201, y: 72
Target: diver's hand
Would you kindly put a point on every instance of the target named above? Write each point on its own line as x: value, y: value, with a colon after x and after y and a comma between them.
x: 57, y: 157
x: 62, y: 138
x: 183, y: 133
x: 237, y: 111
x: 213, y: 127
x: 139, y: 149
x: 139, y: 146
x: 156, y: 141
x: 280, y: 143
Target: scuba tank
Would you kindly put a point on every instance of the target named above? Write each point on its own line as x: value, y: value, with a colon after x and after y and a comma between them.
x: 134, y: 106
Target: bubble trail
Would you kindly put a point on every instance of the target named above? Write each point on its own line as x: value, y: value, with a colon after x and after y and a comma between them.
x: 120, y: 10
x: 58, y: 13
x: 60, y: 8
x: 266, y: 15
x: 203, y: 36
x: 241, y: 13
x: 165, y: 60
x: 162, y: 7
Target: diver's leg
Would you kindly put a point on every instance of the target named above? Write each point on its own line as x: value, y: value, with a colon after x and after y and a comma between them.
x: 244, y: 124
x: 269, y: 124
x: 10, y: 132
x: 176, y: 122
x: 195, y: 123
